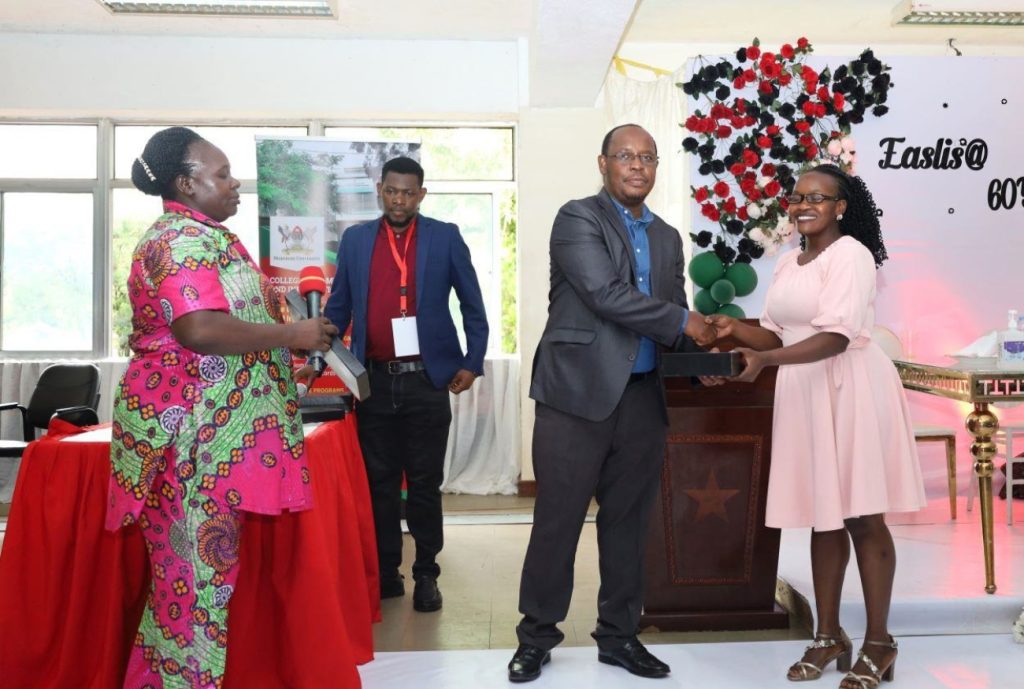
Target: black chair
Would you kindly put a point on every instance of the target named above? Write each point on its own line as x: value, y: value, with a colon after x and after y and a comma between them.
x: 67, y: 391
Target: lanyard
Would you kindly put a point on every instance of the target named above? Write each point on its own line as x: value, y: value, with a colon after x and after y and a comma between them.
x: 402, y: 263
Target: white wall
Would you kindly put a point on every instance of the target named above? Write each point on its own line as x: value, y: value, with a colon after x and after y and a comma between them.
x: 91, y: 75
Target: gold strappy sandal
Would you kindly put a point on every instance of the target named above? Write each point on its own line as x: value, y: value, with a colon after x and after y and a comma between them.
x: 854, y: 681
x: 804, y: 671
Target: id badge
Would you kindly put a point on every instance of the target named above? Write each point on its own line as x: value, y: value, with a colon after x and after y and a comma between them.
x: 407, y: 342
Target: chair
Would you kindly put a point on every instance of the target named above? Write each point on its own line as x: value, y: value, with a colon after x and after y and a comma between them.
x: 924, y: 433
x: 67, y: 391
x: 1004, y: 437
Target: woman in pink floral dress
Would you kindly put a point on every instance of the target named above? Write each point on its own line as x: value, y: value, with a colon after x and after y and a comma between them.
x: 206, y: 423
x: 843, y: 450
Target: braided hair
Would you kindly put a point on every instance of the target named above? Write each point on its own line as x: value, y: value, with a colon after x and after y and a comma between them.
x: 163, y: 159
x: 860, y: 220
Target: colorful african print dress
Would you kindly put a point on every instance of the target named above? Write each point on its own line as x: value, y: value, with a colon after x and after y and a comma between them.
x: 196, y: 440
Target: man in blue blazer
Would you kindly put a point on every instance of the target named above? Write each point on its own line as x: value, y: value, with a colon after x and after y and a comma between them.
x: 395, y: 275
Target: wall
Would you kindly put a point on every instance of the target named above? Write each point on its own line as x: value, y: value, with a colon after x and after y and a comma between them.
x: 92, y: 75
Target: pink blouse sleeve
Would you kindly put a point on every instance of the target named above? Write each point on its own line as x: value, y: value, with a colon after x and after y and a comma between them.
x: 846, y: 303
x: 186, y: 273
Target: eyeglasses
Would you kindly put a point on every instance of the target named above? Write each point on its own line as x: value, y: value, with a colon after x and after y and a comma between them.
x: 794, y: 199
x: 627, y: 158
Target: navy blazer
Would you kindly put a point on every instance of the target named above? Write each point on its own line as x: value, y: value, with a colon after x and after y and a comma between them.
x: 442, y: 263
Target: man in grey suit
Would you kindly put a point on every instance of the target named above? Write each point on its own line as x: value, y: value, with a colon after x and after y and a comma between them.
x: 616, y: 298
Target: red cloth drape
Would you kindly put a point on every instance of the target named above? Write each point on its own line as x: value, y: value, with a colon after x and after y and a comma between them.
x: 71, y: 594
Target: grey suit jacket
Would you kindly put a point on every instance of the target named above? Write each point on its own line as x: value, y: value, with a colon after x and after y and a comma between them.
x: 596, y: 314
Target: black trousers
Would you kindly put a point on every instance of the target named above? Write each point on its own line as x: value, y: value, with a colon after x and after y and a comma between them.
x: 403, y: 428
x: 618, y: 461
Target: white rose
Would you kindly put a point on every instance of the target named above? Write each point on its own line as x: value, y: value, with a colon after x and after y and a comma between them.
x: 847, y: 158
x: 763, y: 181
x: 835, y: 147
x: 754, y: 211
x: 756, y: 235
x: 771, y: 249
x: 848, y: 144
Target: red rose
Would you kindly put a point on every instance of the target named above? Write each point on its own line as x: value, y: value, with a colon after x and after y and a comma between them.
x: 839, y: 100
x: 710, y: 212
x: 823, y: 94
x: 692, y: 123
x: 772, y: 129
x: 784, y: 203
x: 729, y: 206
x: 723, y: 132
x: 755, y: 194
x: 741, y: 213
x: 722, y: 189
x: 806, y: 140
x: 764, y: 141
x: 810, y: 77
x: 768, y: 170
x: 749, y: 121
x: 785, y: 78
x: 748, y: 184
x: 741, y: 106
x: 749, y: 76
x: 738, y: 82
x: 787, y: 51
x: 808, y: 108
x: 820, y: 110
x: 802, y: 126
x: 765, y: 87
x: 802, y: 43
x: 736, y: 121
x: 772, y: 188
x: 750, y: 158
x: 753, y: 52
x: 737, y: 169
x: 701, y: 195
x: 771, y: 69
x: 812, y: 152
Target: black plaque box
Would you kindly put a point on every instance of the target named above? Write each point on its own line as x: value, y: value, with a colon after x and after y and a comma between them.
x: 701, y: 364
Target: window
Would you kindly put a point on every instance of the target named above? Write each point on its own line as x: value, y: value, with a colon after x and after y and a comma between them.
x: 69, y: 222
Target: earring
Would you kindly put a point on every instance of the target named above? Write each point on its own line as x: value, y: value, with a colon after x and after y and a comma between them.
x: 839, y: 217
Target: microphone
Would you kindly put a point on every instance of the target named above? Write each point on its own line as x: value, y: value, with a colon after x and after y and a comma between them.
x: 312, y: 285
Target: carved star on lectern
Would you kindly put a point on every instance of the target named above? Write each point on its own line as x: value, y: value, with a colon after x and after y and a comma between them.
x: 711, y: 499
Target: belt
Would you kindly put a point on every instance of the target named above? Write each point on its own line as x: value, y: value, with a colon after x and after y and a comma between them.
x: 397, y: 367
x: 637, y: 377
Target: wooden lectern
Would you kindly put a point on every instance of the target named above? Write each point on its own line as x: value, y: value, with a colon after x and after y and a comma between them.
x: 711, y: 562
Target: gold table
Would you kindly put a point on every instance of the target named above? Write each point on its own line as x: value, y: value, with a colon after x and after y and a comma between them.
x: 979, y: 388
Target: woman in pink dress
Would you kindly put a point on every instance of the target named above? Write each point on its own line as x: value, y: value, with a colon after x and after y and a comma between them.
x: 843, y: 450
x: 206, y: 423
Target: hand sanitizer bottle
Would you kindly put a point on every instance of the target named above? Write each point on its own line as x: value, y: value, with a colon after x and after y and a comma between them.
x: 1011, y: 344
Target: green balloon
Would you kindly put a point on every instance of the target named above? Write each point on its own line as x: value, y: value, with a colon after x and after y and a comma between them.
x: 743, y: 277
x: 732, y: 310
x: 703, y: 302
x: 723, y: 291
x: 706, y: 268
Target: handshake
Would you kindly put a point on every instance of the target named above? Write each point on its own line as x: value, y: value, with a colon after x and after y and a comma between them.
x: 706, y: 330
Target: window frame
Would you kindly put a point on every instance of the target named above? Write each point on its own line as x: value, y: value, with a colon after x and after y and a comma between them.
x: 103, y: 186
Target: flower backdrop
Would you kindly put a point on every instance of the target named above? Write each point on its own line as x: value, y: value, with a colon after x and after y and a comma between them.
x: 760, y: 119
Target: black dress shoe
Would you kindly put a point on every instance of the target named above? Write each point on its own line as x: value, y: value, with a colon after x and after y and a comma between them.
x: 426, y: 597
x: 526, y: 663
x: 634, y: 657
x: 392, y: 587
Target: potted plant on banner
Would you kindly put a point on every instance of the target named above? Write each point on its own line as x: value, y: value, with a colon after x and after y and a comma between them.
x: 758, y: 120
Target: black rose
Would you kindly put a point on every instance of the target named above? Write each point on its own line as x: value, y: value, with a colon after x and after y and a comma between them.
x: 880, y: 110
x: 704, y: 169
x: 722, y: 92
x: 725, y: 253
x: 741, y: 55
x: 690, y: 144
x: 703, y: 239
x: 717, y: 166
x: 787, y: 110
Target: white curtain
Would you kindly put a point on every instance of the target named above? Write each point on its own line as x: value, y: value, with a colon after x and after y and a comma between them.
x: 483, y: 444
x: 659, y: 106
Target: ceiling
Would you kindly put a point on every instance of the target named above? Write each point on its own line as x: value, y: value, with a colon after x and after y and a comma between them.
x: 867, y: 22
x: 487, y: 20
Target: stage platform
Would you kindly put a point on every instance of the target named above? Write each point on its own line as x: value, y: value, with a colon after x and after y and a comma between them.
x: 936, y: 662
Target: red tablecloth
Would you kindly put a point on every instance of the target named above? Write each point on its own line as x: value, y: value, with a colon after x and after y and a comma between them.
x: 72, y: 594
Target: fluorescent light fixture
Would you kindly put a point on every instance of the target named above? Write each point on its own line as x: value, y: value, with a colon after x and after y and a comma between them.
x: 960, y: 12
x: 251, y: 8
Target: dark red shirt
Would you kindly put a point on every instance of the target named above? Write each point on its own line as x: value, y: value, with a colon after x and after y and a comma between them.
x: 382, y: 299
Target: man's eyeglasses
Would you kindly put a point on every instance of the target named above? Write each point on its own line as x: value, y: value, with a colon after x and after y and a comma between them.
x: 794, y: 199
x: 627, y: 158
